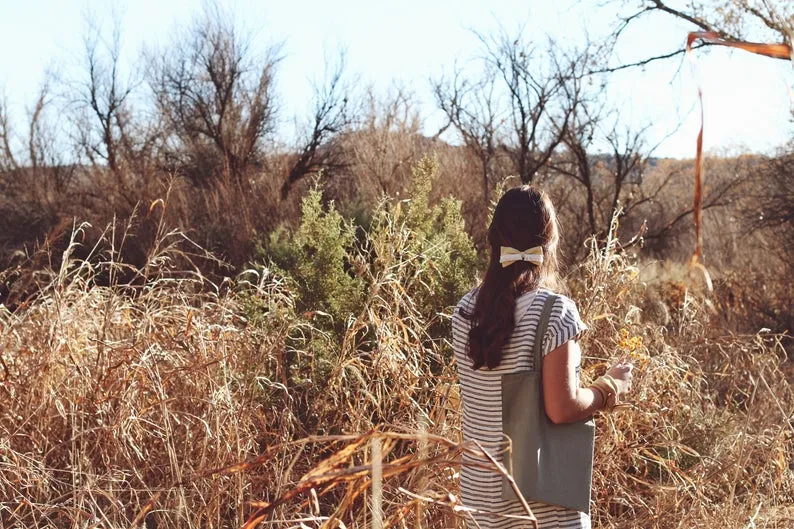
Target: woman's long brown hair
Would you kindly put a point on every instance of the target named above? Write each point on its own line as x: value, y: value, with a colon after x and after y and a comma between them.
x: 523, y: 218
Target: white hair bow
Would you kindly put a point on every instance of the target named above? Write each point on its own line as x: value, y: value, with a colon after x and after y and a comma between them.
x: 510, y: 255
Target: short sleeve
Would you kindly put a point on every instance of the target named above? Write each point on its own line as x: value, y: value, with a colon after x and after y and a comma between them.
x: 461, y: 326
x: 564, y: 324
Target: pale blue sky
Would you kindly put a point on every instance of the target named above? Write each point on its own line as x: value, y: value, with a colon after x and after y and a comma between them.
x: 748, y: 98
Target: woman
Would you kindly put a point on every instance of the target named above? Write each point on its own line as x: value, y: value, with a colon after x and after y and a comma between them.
x: 493, y: 335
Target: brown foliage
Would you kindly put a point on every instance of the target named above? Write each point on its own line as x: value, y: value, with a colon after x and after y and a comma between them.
x: 167, y: 404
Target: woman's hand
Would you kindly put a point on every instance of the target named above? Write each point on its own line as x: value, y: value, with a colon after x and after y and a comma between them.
x: 622, y: 375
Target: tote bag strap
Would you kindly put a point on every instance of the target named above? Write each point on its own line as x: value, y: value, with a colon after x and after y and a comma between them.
x: 540, y: 332
x: 550, y: 463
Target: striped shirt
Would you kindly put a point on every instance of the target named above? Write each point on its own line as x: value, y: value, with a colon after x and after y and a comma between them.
x: 481, y: 486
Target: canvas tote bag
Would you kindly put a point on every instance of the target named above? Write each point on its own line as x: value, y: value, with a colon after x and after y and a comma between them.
x: 551, y: 463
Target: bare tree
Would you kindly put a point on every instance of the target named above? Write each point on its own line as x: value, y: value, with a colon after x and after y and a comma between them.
x: 520, y: 106
x: 735, y: 20
x: 629, y: 156
x: 606, y: 159
x: 543, y: 94
x: 38, y: 164
x: 664, y: 203
x: 35, y: 182
x: 40, y: 148
x: 218, y: 100
x: 577, y: 161
x: 114, y: 142
x: 7, y: 159
x: 104, y: 95
x: 772, y: 203
x: 331, y: 116
x: 384, y: 144
x: 473, y: 109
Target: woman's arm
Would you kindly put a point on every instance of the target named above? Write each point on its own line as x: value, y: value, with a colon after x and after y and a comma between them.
x: 563, y: 399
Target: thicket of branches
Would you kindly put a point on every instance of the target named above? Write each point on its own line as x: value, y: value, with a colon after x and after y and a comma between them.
x: 199, y: 121
x: 198, y: 124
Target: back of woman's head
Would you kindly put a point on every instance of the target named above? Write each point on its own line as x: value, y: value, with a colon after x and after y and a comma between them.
x: 523, y: 219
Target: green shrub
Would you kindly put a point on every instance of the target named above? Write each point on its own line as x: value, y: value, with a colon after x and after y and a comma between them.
x: 316, y: 258
x: 428, y: 243
x: 433, y: 244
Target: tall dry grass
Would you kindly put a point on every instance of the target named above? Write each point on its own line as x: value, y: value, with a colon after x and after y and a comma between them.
x: 173, y: 401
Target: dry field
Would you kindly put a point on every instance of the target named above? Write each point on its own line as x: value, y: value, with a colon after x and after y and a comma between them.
x: 325, y: 395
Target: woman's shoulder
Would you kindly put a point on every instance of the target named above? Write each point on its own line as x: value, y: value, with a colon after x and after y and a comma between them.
x: 562, y: 301
x: 464, y: 310
x: 529, y: 305
x: 565, y: 323
x: 468, y: 300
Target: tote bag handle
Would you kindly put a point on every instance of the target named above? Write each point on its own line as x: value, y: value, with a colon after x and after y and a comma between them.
x: 551, y: 463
